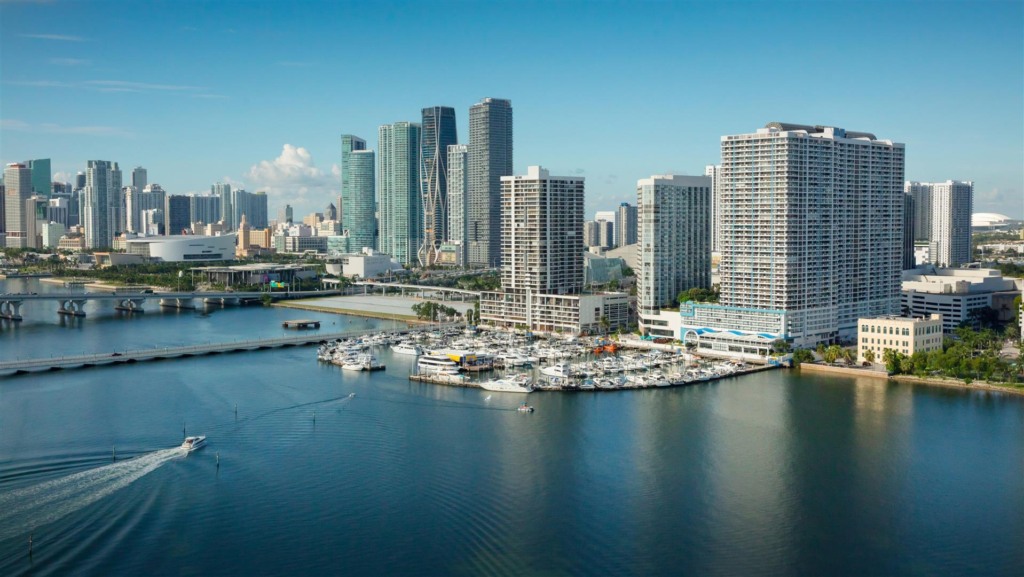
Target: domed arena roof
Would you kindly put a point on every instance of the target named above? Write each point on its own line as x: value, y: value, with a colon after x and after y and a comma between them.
x: 988, y: 219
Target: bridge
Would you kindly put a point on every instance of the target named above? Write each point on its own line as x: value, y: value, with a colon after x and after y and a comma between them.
x: 21, y: 366
x: 463, y: 294
x: 72, y: 303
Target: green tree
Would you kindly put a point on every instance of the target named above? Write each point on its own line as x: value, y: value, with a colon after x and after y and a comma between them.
x: 891, y: 360
x: 832, y: 353
x: 869, y: 356
x: 780, y: 346
x: 802, y: 356
x: 848, y: 356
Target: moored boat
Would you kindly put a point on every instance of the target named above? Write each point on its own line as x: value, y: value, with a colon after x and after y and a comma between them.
x: 192, y: 443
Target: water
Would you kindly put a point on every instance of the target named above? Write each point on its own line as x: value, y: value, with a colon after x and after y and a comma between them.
x: 769, y: 474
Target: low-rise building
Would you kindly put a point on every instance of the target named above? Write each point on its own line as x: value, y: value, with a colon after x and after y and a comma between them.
x: 368, y: 264
x: 254, y: 274
x: 72, y: 241
x: 183, y: 248
x: 573, y: 314
x: 955, y: 293
x: 906, y: 335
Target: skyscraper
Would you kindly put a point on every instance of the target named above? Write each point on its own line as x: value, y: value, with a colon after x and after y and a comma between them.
x: 223, y: 191
x: 625, y: 224
x: 490, y: 158
x: 401, y: 211
x: 909, y: 260
x: 674, y: 235
x: 17, y: 192
x: 950, y: 239
x: 101, y: 205
x: 921, y: 194
x: 812, y: 238
x: 139, y: 178
x: 42, y: 181
x: 605, y: 233
x: 438, y: 133
x: 457, y: 186
x: 257, y: 215
x: 204, y: 208
x: 358, y: 191
x: 177, y: 217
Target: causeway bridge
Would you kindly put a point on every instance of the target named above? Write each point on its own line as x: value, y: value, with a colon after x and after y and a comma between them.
x: 72, y: 303
x: 20, y: 366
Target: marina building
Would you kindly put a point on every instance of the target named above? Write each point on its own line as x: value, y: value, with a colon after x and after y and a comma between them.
x: 906, y: 335
x: 810, y: 237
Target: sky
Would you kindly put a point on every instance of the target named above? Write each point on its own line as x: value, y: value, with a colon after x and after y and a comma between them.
x: 257, y: 94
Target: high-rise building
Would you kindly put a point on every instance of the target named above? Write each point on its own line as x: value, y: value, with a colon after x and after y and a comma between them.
x: 358, y: 191
x: 139, y: 178
x: 17, y: 191
x: 438, y: 133
x: 909, y: 260
x: 711, y: 171
x: 591, y: 237
x: 286, y: 215
x: 950, y: 238
x: 458, y: 183
x: 138, y: 200
x: 401, y: 210
x: 605, y: 233
x: 674, y: 235
x: 177, y: 217
x: 490, y: 158
x: 223, y: 191
x: 331, y: 212
x: 101, y: 205
x: 921, y: 194
x: 625, y: 224
x: 80, y: 180
x: 811, y: 234
x: 3, y: 214
x: 257, y: 213
x: 204, y: 208
x: 42, y: 183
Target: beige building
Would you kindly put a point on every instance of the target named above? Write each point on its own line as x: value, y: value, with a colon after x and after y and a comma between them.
x: 904, y: 335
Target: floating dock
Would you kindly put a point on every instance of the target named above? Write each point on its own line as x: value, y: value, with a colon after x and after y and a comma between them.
x: 301, y: 324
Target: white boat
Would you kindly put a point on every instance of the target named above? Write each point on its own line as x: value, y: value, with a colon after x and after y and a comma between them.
x: 192, y: 443
x: 513, y: 384
x: 363, y: 363
x: 407, y: 349
x: 558, y: 370
x: 437, y: 364
x: 524, y: 408
x: 514, y: 360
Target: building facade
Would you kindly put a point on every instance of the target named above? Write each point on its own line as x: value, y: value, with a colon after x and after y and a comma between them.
x: 490, y: 158
x: 101, y: 203
x: 401, y: 209
x: 223, y: 192
x: 711, y: 171
x: 458, y: 184
x: 958, y: 294
x: 626, y: 224
x: 909, y: 260
x: 674, y: 240
x: 177, y: 214
x: 42, y: 182
x: 438, y: 133
x: 358, y: 189
x: 906, y: 335
x: 950, y: 239
x: 140, y: 178
x: 17, y: 191
x: 921, y: 195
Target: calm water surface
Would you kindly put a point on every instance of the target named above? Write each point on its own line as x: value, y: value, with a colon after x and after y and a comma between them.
x: 769, y: 474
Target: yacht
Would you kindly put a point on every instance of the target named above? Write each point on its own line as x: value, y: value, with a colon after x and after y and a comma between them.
x: 514, y: 359
x: 437, y: 364
x: 407, y: 349
x: 192, y: 443
x: 363, y: 363
x: 511, y: 384
x: 558, y: 370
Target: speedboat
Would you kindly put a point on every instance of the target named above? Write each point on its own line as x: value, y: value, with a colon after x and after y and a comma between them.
x: 524, y: 408
x: 510, y: 384
x: 192, y: 443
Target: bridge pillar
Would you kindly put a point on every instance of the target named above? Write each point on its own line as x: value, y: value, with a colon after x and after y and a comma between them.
x: 71, y: 307
x: 177, y: 303
x: 10, y: 310
x: 131, y: 305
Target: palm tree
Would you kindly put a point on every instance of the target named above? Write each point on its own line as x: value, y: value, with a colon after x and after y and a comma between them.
x: 869, y: 356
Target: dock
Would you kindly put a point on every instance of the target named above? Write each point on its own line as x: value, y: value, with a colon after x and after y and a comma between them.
x: 301, y: 324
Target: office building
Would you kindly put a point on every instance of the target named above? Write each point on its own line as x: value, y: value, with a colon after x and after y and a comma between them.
x: 140, y: 178
x: 401, y: 209
x: 101, y: 203
x: 223, y: 191
x: 921, y: 195
x: 138, y: 201
x: 204, y: 208
x: 674, y: 236
x: 358, y: 191
x: 904, y: 335
x: 42, y: 184
x: 458, y: 185
x: 625, y: 225
x: 605, y: 233
x: 331, y: 212
x: 50, y: 234
x: 810, y: 238
x: 17, y: 191
x: 591, y: 236
x: 490, y: 158
x: 438, y: 133
x: 177, y: 215
x: 950, y: 238
x: 57, y: 211
x: 909, y: 260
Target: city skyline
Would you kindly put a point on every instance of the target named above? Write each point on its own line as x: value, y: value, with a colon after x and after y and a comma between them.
x: 192, y: 121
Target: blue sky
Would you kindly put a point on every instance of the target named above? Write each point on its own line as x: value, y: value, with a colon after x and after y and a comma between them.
x: 258, y: 93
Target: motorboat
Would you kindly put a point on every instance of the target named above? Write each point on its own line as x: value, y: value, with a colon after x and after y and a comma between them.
x: 511, y: 384
x: 524, y: 408
x: 437, y: 364
x: 363, y: 363
x: 558, y: 370
x: 407, y: 349
x: 192, y: 443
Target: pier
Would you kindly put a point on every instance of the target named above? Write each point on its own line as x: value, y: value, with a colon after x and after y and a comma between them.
x: 301, y: 324
x: 21, y: 366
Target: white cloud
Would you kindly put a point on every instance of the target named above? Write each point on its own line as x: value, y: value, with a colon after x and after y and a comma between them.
x: 50, y: 128
x: 294, y: 178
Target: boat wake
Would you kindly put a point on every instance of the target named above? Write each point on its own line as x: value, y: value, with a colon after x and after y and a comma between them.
x: 31, y: 507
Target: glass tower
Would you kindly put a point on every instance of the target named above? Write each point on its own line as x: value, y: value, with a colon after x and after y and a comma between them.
x: 490, y: 158
x: 401, y: 209
x: 438, y: 134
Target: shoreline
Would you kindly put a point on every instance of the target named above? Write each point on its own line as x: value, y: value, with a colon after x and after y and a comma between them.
x: 911, y: 379
x: 351, y: 312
